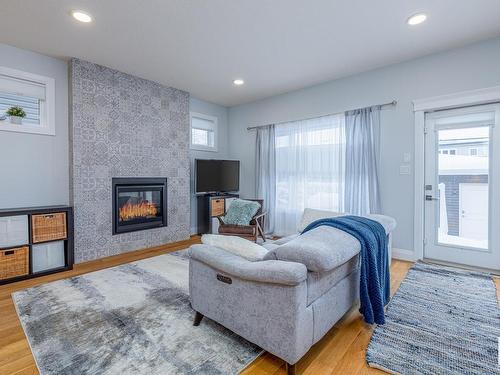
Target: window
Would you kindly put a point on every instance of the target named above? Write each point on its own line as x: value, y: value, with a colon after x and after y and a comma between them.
x: 310, y: 167
x: 473, y: 151
x: 30, y: 105
x: 203, y: 132
x: 448, y: 151
x: 34, y: 94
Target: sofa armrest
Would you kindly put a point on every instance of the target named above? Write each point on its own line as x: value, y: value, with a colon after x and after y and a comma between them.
x: 269, y: 271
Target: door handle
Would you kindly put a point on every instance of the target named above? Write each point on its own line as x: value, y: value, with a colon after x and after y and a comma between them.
x: 430, y: 198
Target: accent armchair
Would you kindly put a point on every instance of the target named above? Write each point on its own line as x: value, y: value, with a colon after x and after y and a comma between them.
x: 252, y: 231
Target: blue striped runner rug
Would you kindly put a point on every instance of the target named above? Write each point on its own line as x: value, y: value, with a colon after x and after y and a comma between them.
x: 442, y: 320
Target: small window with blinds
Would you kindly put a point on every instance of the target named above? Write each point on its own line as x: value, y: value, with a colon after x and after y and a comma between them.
x: 203, y: 132
x: 26, y: 102
x: 30, y: 106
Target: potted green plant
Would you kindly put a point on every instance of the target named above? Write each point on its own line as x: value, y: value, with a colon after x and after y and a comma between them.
x: 16, y: 114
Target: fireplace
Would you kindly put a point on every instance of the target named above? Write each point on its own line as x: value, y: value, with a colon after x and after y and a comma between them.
x: 139, y: 203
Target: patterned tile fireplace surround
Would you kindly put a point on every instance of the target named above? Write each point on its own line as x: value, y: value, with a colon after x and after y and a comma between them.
x: 124, y: 126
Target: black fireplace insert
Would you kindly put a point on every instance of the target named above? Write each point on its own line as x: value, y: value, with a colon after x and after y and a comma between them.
x: 139, y: 203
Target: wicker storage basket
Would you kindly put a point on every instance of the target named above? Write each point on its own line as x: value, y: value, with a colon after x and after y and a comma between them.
x: 14, y: 262
x: 49, y: 227
x: 217, y: 207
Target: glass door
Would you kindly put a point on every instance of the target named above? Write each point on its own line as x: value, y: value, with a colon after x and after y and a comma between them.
x: 461, y: 189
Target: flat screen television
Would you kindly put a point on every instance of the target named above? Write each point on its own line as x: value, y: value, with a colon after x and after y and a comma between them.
x: 217, y: 176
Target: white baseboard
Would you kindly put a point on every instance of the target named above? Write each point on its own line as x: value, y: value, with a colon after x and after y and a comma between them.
x: 403, y: 254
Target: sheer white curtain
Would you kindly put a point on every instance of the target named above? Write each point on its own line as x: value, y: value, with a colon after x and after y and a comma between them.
x: 310, y: 168
x: 265, y: 168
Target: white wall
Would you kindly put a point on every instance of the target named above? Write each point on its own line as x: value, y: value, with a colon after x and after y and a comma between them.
x: 472, y: 67
x: 201, y: 106
x: 34, y: 168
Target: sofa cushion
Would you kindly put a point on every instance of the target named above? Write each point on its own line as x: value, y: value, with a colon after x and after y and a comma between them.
x: 236, y: 245
x: 241, y: 212
x: 311, y: 214
x: 387, y: 222
x: 318, y: 283
x: 274, y: 272
x: 321, y: 249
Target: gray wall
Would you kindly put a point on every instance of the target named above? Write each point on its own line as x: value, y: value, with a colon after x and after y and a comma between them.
x: 201, y: 106
x: 472, y: 67
x: 34, y: 168
x: 124, y: 126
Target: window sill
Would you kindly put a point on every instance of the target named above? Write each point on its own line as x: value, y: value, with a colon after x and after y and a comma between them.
x: 31, y: 129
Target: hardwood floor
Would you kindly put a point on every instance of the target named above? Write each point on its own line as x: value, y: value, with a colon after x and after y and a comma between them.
x: 341, y: 351
x: 15, y: 353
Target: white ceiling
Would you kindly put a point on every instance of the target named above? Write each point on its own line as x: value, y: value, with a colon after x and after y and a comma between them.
x: 275, y: 45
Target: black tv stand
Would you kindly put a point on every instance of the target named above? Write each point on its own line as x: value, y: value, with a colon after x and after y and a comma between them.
x: 211, y: 205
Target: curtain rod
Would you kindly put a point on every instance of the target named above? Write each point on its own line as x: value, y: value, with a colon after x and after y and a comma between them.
x: 394, y: 102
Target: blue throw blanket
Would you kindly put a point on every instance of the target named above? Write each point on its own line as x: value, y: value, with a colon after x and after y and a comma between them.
x: 374, y: 285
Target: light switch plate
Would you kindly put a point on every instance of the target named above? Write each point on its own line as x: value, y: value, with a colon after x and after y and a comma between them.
x: 406, y: 157
x: 404, y: 169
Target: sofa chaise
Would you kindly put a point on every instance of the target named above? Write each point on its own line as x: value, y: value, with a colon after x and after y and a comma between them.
x: 288, y: 301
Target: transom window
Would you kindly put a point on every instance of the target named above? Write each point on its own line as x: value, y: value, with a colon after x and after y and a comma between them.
x: 203, y: 132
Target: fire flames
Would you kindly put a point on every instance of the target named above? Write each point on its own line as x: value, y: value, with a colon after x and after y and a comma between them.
x: 130, y: 211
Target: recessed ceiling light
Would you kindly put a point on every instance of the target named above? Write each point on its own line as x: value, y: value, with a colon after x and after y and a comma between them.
x: 416, y: 19
x: 81, y: 16
x: 238, y: 82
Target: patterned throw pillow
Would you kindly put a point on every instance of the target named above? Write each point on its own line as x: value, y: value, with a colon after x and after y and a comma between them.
x: 240, y: 212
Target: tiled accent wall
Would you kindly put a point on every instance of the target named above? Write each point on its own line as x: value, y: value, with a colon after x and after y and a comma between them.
x: 124, y: 126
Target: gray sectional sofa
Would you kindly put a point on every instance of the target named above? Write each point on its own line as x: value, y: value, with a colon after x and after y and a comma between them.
x: 288, y: 301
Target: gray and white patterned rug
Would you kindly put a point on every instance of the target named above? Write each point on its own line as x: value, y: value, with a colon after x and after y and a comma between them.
x: 441, y: 321
x: 131, y: 319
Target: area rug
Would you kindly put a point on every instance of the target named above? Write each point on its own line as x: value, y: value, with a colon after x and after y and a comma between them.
x: 131, y: 319
x: 441, y: 321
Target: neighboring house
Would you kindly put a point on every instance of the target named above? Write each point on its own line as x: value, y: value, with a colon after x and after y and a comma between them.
x: 472, y: 147
x: 463, y: 174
